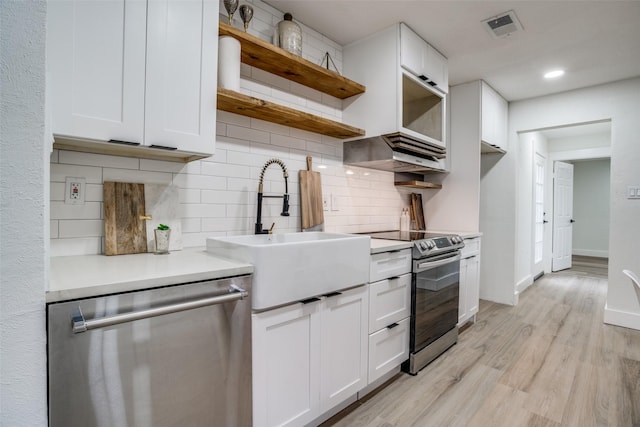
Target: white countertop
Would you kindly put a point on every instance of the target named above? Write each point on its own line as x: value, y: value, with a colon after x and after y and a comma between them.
x: 382, y: 245
x: 86, y: 276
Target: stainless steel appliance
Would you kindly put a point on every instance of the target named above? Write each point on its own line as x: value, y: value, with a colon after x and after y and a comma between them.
x: 435, y: 286
x: 171, y: 356
x: 396, y: 152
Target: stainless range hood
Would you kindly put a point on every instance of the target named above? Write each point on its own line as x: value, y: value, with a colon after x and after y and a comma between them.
x: 394, y: 152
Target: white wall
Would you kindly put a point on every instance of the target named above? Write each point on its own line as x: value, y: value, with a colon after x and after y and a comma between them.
x: 218, y: 194
x: 591, y: 207
x: 23, y: 215
x: 620, y: 102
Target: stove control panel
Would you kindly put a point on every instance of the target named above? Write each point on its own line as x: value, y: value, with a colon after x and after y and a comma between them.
x: 436, y: 245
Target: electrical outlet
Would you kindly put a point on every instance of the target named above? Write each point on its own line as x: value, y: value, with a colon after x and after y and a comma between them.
x: 74, y: 190
x: 325, y: 203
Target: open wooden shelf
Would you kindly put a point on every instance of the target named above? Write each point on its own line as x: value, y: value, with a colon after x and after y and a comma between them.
x: 417, y: 184
x: 238, y: 103
x: 260, y: 54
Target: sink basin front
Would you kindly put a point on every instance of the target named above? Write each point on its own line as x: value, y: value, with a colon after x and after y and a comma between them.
x: 291, y: 267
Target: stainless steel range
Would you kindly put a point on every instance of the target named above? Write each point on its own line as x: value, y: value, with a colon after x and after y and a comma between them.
x: 434, y: 293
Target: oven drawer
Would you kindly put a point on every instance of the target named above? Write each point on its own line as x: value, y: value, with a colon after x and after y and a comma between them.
x: 389, y: 264
x: 388, y: 348
x: 471, y: 247
x: 389, y: 301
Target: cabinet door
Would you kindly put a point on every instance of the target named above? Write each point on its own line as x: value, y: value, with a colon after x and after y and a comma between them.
x: 436, y: 68
x: 388, y: 348
x: 464, y: 285
x: 181, y: 81
x: 343, y: 362
x: 494, y: 118
x: 389, y: 301
x: 473, y: 289
x: 412, y: 52
x: 96, y: 68
x: 286, y: 349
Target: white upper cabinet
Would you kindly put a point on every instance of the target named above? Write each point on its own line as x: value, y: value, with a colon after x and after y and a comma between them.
x: 397, y: 98
x: 494, y: 110
x: 422, y: 60
x: 134, y: 71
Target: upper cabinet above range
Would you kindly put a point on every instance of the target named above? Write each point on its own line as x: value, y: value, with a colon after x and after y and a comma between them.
x: 140, y: 73
x: 423, y: 60
x: 403, y: 94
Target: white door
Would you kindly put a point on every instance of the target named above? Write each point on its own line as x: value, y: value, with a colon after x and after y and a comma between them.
x: 96, y: 66
x: 286, y: 351
x: 562, y: 216
x: 344, y: 344
x: 181, y: 84
x: 539, y: 219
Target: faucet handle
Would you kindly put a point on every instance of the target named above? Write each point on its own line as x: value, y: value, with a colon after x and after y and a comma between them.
x: 271, y: 228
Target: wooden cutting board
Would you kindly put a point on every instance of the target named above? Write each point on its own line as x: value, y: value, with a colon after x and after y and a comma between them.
x: 311, y: 199
x: 124, y: 224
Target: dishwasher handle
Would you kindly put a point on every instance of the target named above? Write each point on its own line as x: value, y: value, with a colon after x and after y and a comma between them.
x: 80, y: 324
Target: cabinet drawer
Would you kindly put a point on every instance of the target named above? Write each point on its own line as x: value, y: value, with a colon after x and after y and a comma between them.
x: 389, y: 301
x: 389, y: 264
x: 388, y: 348
x: 471, y: 247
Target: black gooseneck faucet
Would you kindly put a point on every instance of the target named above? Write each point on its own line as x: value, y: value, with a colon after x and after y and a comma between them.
x: 285, y: 197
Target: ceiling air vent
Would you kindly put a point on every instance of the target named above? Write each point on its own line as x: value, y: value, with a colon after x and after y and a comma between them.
x: 502, y: 25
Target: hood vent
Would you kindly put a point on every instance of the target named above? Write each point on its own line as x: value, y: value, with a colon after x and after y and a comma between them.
x: 502, y: 25
x: 394, y: 152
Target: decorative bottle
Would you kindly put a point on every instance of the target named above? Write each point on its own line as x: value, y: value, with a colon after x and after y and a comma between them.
x: 288, y: 35
x: 404, y: 220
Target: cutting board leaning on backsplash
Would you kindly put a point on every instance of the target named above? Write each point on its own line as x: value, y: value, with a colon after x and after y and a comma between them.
x: 132, y: 211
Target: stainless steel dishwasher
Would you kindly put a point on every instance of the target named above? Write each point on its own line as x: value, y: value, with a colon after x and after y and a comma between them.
x: 172, y: 356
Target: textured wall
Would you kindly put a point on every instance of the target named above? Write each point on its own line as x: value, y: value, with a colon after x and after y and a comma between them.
x: 23, y: 213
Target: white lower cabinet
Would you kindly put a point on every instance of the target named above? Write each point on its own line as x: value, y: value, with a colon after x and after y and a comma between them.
x: 388, y: 348
x: 308, y: 357
x: 469, y: 281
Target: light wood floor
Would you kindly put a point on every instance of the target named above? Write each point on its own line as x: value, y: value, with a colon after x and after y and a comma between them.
x: 549, y: 361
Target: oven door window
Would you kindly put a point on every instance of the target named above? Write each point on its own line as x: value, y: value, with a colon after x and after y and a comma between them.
x: 436, y: 303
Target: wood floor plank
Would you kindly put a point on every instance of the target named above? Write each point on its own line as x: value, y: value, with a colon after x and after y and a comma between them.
x: 549, y: 361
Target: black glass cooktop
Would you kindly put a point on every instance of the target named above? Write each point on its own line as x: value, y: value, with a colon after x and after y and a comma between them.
x: 405, y: 236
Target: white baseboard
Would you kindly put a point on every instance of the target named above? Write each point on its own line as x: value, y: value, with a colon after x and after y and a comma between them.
x: 524, y: 284
x: 621, y: 318
x: 591, y: 252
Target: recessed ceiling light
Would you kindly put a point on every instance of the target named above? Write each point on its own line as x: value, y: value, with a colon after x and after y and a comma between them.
x: 554, y: 74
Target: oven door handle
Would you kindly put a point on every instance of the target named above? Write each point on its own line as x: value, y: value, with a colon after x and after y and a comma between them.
x: 433, y: 264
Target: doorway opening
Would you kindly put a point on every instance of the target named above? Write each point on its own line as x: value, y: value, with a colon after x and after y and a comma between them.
x: 582, y: 153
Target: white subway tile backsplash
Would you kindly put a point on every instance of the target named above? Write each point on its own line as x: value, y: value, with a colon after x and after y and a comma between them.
x: 189, y: 195
x: 56, y: 192
x: 80, y: 228
x: 191, y: 225
x: 90, y: 210
x: 202, y: 211
x: 102, y: 160
x: 248, y: 134
x: 137, y: 176
x: 200, y: 181
x: 218, y: 195
x: 92, y: 174
x: 225, y: 170
x: 81, y: 246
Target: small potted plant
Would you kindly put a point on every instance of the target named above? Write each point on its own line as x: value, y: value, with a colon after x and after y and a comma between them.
x: 162, y: 234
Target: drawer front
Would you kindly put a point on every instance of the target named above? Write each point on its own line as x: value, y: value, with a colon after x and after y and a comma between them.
x: 388, y: 348
x: 389, y: 264
x: 389, y: 301
x: 471, y: 247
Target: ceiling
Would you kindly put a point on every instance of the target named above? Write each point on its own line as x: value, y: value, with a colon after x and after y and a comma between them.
x: 595, y: 41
